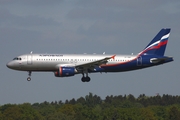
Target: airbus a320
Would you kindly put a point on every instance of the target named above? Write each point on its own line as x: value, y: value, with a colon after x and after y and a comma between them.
x: 67, y: 65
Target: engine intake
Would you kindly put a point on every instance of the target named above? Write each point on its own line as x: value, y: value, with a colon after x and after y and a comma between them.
x: 65, y: 72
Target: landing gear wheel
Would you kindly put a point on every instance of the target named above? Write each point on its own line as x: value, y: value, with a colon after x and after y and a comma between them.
x: 88, y: 79
x: 29, y: 79
x: 85, y: 79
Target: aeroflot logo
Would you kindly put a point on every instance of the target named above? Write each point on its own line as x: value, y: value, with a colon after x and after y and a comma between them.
x: 50, y: 55
x: 162, y: 41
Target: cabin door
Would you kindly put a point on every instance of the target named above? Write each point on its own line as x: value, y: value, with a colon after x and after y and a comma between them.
x: 139, y: 61
x: 29, y: 59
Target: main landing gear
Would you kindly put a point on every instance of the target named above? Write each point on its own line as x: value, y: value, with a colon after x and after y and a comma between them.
x: 85, y: 79
x: 29, y: 78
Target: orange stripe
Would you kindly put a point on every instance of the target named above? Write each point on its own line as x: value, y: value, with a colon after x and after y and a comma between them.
x: 60, y: 71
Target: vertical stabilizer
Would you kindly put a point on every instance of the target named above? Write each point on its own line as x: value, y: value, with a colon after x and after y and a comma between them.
x: 158, y: 45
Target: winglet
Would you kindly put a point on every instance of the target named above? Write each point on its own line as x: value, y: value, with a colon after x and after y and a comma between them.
x: 113, y: 57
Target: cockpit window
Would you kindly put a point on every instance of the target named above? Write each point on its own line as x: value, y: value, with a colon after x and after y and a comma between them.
x: 17, y: 58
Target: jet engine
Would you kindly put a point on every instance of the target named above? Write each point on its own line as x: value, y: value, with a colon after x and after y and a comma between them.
x: 65, y: 72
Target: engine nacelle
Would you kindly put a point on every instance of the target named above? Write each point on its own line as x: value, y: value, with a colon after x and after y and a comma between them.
x: 65, y: 72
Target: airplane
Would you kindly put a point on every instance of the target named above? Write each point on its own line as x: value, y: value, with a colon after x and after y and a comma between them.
x: 67, y: 65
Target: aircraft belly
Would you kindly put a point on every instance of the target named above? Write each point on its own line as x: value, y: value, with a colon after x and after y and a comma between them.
x: 121, y: 67
x: 41, y: 67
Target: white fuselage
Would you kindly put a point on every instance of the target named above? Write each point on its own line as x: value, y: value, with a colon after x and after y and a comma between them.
x: 52, y: 62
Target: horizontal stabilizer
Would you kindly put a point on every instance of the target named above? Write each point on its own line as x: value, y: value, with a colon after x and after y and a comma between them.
x: 157, y: 60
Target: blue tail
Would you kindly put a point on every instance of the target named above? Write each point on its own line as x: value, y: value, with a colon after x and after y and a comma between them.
x: 158, y: 45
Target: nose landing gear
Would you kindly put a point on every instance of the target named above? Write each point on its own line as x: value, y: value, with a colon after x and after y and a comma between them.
x: 29, y: 78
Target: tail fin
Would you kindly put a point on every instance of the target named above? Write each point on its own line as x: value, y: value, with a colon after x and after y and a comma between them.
x: 158, y: 45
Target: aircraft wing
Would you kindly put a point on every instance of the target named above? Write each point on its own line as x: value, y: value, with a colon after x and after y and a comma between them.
x: 91, y: 65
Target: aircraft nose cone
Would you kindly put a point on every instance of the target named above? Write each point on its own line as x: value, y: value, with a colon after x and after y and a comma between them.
x: 9, y: 64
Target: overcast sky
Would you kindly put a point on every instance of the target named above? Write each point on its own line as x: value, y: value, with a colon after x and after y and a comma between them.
x: 86, y: 26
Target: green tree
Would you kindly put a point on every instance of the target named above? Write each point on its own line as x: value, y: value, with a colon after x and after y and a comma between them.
x: 66, y: 112
x: 29, y: 113
x: 131, y: 98
x: 160, y: 112
x: 147, y: 114
x: 1, y: 116
x: 12, y: 113
x: 173, y: 113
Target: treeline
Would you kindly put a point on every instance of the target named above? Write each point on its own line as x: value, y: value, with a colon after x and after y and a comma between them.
x: 92, y: 107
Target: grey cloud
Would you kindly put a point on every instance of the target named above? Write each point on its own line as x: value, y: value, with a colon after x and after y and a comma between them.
x: 31, y: 2
x: 5, y: 16
x: 130, y: 16
x: 119, y: 4
x: 8, y: 18
x: 115, y: 9
x: 11, y: 36
x: 35, y: 20
x: 170, y: 8
x: 79, y: 13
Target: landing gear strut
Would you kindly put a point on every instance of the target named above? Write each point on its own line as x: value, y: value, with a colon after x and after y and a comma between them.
x: 86, y: 78
x: 29, y: 78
